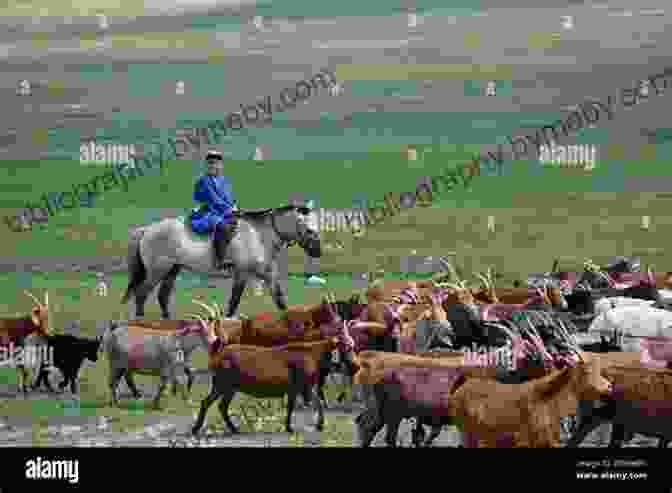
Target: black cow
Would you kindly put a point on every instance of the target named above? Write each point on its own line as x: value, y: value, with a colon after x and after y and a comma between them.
x: 68, y: 353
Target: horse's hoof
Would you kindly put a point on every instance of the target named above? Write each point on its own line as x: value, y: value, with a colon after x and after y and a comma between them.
x: 195, y: 430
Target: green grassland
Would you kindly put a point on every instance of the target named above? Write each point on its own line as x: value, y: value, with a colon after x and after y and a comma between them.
x: 537, y: 220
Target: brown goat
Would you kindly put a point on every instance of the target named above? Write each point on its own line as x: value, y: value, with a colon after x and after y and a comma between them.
x: 527, y: 414
x: 13, y: 331
x: 268, y: 372
x: 300, y: 323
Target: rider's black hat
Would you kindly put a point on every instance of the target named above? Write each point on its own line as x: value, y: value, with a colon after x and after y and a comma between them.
x: 214, y: 155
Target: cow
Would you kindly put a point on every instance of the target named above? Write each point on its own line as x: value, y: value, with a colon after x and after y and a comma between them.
x: 68, y: 354
x: 528, y: 414
x: 263, y: 372
x: 13, y: 331
x: 131, y: 349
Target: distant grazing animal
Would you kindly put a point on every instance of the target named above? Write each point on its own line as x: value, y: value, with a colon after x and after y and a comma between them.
x: 68, y: 353
x: 13, y: 331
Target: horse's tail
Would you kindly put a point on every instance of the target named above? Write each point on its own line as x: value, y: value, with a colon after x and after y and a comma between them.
x: 137, y: 273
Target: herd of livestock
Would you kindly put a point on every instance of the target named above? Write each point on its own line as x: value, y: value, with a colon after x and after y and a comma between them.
x: 509, y: 366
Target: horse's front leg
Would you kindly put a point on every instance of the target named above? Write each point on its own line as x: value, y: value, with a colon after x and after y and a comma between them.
x: 279, y: 295
x: 236, y: 294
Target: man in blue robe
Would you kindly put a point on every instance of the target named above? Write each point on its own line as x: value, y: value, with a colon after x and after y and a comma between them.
x: 215, y: 215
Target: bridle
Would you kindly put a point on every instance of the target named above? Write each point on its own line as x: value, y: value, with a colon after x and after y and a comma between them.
x: 284, y: 241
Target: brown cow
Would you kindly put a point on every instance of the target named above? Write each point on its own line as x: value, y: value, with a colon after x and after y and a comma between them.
x: 528, y: 414
x: 269, y: 372
x: 13, y: 331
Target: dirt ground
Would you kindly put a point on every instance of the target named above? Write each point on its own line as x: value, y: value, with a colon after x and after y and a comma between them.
x: 174, y: 431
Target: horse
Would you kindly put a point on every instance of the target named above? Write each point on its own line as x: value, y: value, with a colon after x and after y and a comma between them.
x: 159, y: 251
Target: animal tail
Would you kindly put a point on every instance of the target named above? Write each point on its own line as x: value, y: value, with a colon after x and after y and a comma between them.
x: 137, y: 272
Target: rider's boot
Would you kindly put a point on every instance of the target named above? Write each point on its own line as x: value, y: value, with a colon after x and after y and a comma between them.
x: 222, y: 238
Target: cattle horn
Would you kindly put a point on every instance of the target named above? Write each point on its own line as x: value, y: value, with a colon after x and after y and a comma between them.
x: 37, y: 302
x: 209, y: 309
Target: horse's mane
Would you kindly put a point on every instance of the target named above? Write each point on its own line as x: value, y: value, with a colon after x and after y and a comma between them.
x: 262, y: 213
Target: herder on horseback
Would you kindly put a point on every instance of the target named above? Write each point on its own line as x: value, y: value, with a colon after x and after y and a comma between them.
x: 213, y: 190
x: 249, y: 242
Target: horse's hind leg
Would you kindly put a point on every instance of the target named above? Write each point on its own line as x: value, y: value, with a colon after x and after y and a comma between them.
x: 236, y: 294
x: 143, y: 291
x: 166, y: 290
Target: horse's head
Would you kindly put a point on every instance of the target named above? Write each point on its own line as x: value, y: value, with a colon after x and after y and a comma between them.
x: 291, y: 223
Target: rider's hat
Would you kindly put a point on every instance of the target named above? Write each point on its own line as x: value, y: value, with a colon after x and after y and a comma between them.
x: 214, y: 155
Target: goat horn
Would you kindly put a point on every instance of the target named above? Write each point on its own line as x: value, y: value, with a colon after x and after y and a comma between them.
x: 46, y: 299
x: 205, y: 324
x: 209, y: 309
x: 483, y: 279
x: 220, y: 312
x: 449, y: 285
x: 33, y: 298
x: 451, y: 269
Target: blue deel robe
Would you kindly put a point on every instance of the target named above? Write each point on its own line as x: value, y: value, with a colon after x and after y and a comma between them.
x: 214, y: 192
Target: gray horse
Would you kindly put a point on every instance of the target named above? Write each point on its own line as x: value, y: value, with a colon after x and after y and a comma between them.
x: 157, y: 253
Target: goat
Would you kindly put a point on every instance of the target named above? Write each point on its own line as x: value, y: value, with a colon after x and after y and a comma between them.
x: 13, y: 331
x: 413, y: 386
x: 527, y: 414
x: 69, y: 353
x: 640, y: 402
x: 132, y: 349
x: 320, y: 322
x: 269, y: 372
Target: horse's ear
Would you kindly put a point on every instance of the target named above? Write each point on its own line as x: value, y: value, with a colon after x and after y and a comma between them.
x: 303, y: 210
